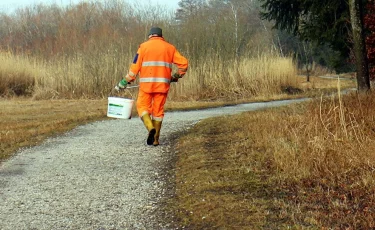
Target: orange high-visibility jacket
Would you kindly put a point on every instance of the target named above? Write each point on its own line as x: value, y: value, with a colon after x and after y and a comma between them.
x: 153, y: 62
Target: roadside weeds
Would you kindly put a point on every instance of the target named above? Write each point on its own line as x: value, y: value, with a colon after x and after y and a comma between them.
x: 306, y: 166
x: 244, y: 171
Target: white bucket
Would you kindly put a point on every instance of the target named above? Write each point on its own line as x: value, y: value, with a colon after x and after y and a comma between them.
x: 120, y: 107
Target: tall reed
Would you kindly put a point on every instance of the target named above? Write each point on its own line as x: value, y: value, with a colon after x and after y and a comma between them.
x: 17, y: 75
x: 84, y: 76
x: 257, y: 76
x: 333, y: 141
x: 93, y: 75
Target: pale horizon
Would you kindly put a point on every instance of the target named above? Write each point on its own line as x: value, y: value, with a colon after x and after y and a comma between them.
x: 8, y: 6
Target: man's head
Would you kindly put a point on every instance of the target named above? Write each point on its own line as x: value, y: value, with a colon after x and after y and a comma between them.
x: 155, y: 32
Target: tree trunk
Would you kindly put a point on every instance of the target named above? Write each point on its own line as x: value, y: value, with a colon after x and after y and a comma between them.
x: 308, y: 59
x: 356, y: 13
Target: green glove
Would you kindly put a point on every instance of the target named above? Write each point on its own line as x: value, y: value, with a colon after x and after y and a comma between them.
x: 121, y: 85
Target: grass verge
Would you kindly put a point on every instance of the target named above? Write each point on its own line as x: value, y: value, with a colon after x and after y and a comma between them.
x: 26, y: 123
x: 307, y: 166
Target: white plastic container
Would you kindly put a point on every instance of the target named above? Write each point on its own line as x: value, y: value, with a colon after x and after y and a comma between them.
x: 120, y: 107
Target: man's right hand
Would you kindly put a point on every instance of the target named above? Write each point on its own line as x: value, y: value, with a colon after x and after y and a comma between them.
x: 121, y: 85
x: 175, y: 77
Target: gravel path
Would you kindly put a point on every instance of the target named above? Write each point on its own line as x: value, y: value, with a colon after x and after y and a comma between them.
x: 98, y: 176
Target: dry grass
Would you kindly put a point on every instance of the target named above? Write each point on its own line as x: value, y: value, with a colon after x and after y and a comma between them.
x: 17, y: 75
x: 243, y: 181
x: 83, y: 76
x: 214, y: 187
x: 251, y: 77
x: 323, y: 82
x: 25, y: 123
x: 308, y: 166
x: 92, y: 76
x: 61, y: 115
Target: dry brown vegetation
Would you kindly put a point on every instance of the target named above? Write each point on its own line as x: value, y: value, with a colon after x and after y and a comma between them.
x: 17, y: 75
x: 67, y: 79
x: 307, y: 166
x: 304, y: 166
x: 83, y: 50
x: 25, y: 123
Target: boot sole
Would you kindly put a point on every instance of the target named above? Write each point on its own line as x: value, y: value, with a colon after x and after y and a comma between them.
x: 151, y: 138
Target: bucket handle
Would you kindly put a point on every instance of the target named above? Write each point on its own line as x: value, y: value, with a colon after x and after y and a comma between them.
x: 114, y: 92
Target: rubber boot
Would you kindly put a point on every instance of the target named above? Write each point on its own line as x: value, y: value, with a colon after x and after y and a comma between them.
x: 157, y: 125
x: 150, y: 128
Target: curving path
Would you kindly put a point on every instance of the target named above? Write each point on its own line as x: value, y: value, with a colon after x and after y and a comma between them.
x: 98, y: 176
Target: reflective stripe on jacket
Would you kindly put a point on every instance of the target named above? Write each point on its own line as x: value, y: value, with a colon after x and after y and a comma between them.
x: 154, y: 61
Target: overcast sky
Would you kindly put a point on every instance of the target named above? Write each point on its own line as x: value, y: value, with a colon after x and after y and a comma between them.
x: 10, y: 5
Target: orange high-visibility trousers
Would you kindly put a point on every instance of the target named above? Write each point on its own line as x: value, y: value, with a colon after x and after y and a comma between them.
x: 151, y: 103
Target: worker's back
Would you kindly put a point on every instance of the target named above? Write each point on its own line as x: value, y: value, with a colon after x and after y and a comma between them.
x: 154, y: 61
x: 157, y: 59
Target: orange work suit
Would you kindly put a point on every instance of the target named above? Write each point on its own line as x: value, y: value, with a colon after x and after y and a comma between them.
x: 153, y: 62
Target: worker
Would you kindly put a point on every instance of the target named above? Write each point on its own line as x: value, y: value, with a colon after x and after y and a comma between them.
x: 153, y: 62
